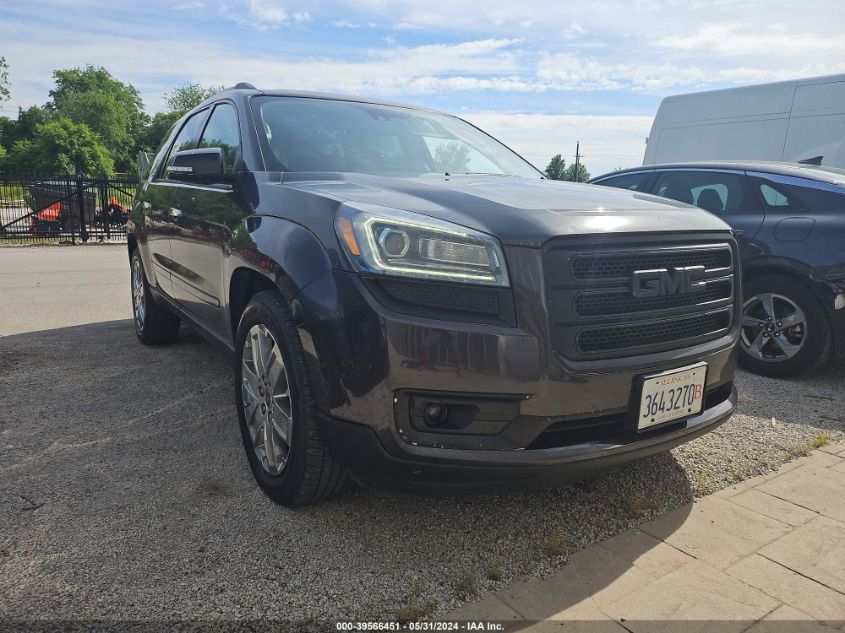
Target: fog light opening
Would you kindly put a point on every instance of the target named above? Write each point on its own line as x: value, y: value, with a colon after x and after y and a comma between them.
x: 435, y: 414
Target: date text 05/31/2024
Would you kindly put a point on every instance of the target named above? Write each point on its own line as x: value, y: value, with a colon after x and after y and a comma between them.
x: 420, y: 626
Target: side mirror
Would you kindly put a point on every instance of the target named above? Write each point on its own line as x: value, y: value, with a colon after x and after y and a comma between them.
x: 205, y: 164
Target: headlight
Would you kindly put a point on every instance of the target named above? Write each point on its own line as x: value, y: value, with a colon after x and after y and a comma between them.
x: 405, y: 244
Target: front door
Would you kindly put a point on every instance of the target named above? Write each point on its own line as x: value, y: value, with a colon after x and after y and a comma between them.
x: 206, y: 216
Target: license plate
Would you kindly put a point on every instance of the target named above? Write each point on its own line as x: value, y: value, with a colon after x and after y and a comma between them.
x: 672, y: 394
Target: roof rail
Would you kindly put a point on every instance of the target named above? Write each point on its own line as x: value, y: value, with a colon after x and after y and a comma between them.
x: 244, y: 84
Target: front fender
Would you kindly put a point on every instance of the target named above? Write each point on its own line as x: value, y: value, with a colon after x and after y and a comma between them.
x: 296, y: 262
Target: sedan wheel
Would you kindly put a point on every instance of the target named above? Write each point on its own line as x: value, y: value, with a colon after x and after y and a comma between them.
x: 774, y: 327
x: 784, y: 329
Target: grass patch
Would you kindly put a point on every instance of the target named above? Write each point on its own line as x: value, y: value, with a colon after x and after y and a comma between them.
x: 639, y: 505
x: 12, y: 192
x: 529, y: 565
x: 703, y: 485
x: 413, y: 610
x: 821, y: 439
x: 801, y: 450
x: 557, y: 543
x: 465, y: 583
x: 493, y: 569
x: 743, y: 471
x: 36, y: 240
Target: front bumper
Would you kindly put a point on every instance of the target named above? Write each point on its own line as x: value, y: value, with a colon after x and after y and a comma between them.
x: 560, y: 418
x: 394, y: 462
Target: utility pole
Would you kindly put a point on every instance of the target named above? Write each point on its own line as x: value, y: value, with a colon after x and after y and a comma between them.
x: 578, y: 158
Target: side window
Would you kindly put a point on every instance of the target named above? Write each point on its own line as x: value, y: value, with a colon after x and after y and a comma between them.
x: 779, y: 197
x: 721, y: 193
x: 187, y: 136
x: 626, y: 181
x: 222, y: 131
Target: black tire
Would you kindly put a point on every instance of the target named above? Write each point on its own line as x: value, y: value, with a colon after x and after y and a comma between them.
x: 154, y: 325
x: 815, y: 337
x: 310, y: 474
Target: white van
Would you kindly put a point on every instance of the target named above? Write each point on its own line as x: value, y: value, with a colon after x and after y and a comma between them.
x: 793, y: 121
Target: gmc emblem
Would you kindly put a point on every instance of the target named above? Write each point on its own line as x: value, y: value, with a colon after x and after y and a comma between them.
x: 661, y: 281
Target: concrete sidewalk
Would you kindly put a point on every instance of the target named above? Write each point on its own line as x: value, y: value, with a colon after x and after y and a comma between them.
x: 765, y: 555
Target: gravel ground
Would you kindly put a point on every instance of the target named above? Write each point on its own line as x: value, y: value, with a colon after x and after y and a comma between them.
x: 124, y: 495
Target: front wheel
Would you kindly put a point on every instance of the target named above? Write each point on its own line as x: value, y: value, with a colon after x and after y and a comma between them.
x: 277, y: 409
x: 784, y: 329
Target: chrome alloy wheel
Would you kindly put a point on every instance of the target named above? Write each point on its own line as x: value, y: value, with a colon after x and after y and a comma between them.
x: 774, y: 328
x: 267, y: 402
x: 138, y: 303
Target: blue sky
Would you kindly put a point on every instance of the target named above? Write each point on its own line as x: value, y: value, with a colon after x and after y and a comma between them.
x: 539, y: 75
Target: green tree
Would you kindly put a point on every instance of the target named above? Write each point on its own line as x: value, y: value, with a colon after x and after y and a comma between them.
x: 23, y: 128
x: 57, y: 147
x: 7, y: 128
x: 582, y: 176
x: 157, y: 129
x: 556, y: 168
x: 5, y: 94
x: 188, y: 96
x: 110, y: 108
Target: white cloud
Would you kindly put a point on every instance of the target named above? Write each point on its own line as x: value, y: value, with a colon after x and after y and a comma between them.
x: 268, y: 11
x: 547, y: 56
x: 190, y: 5
x: 267, y: 14
x: 392, y: 71
x: 732, y: 40
x: 574, y: 31
x: 566, y: 71
x: 648, y: 44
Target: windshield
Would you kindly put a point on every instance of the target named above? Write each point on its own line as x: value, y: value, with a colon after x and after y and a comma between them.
x: 306, y: 134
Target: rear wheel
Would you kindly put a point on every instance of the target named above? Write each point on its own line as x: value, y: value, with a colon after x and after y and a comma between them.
x: 154, y: 325
x: 277, y: 409
x: 784, y: 329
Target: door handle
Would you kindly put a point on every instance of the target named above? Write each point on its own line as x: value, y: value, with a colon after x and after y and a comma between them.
x: 174, y: 213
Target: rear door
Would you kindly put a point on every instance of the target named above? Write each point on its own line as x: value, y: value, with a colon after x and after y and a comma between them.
x: 805, y: 221
x: 208, y: 213
x: 725, y: 193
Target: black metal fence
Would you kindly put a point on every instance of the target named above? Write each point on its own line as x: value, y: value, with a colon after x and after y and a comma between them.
x: 64, y: 209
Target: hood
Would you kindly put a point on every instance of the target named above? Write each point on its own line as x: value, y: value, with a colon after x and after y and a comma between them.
x: 517, y: 211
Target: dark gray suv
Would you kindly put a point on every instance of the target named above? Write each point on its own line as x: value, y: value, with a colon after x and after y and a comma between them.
x: 408, y: 301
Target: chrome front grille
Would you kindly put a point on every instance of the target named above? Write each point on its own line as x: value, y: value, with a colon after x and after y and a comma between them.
x: 596, y: 313
x: 621, y: 265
